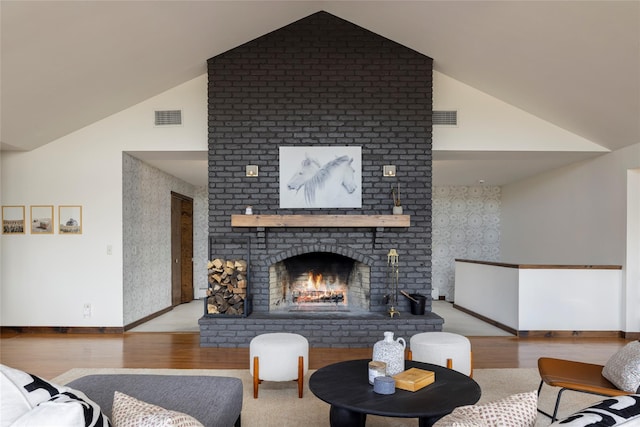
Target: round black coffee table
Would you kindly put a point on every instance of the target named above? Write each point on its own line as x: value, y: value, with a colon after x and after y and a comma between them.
x: 345, y: 386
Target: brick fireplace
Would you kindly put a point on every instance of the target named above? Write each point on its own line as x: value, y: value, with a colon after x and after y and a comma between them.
x: 319, y: 282
x: 321, y: 82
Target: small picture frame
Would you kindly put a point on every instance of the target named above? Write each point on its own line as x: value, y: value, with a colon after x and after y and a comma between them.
x: 13, y: 220
x: 42, y: 219
x: 70, y: 219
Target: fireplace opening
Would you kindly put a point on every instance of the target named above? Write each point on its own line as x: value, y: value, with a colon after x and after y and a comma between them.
x: 319, y: 281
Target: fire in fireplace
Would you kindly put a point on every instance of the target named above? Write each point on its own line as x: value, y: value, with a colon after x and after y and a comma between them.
x: 319, y: 281
x: 318, y: 289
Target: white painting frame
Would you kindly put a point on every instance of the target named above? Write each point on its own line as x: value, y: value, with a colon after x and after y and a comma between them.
x: 320, y: 177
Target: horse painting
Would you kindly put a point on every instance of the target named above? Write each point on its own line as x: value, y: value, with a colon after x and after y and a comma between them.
x: 324, y: 185
x: 307, y: 170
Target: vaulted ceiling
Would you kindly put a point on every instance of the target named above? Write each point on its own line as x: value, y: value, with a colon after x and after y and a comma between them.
x: 575, y: 64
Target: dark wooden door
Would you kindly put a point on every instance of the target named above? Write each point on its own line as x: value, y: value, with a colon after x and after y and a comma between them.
x: 181, y: 249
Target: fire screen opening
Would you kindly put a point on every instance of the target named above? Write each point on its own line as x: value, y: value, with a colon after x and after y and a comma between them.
x: 319, y: 281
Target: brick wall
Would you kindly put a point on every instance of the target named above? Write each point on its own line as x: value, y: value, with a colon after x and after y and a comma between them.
x: 323, y: 81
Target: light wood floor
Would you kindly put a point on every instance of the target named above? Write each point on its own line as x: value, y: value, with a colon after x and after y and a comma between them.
x: 49, y: 355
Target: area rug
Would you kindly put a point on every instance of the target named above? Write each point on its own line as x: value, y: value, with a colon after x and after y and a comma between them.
x: 278, y: 404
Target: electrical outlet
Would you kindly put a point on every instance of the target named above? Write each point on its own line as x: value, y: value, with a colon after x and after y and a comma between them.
x: 86, y: 310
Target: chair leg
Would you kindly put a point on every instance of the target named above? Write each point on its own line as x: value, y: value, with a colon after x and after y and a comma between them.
x: 409, y: 355
x: 555, y: 410
x: 450, y: 363
x: 256, y: 376
x: 300, y: 375
x: 557, y: 405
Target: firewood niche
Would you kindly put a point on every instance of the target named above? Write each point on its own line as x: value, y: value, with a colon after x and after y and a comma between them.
x: 227, y: 289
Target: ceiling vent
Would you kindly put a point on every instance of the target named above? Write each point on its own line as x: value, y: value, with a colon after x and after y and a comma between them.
x: 168, y: 118
x: 445, y: 118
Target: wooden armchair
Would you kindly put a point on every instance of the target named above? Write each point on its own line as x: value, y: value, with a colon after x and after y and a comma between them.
x: 576, y: 376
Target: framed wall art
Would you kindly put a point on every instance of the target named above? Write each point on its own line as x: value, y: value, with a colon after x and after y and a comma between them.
x: 13, y: 220
x: 70, y: 219
x: 42, y: 219
x: 320, y: 177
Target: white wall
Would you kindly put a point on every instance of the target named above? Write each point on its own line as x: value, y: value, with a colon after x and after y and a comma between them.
x: 573, y: 215
x: 46, y: 279
x: 467, y: 220
x: 542, y: 299
x: 570, y: 300
x: 489, y: 290
x: 579, y: 215
x: 486, y: 123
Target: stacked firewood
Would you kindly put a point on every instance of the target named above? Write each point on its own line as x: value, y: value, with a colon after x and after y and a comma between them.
x: 227, y: 286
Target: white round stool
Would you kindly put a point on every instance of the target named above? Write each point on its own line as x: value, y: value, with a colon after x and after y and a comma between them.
x: 442, y: 348
x: 278, y: 357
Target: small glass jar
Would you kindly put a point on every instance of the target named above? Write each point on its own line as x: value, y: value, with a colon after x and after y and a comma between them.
x: 376, y: 369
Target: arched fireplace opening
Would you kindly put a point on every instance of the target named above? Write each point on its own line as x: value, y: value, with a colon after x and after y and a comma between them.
x: 319, y: 282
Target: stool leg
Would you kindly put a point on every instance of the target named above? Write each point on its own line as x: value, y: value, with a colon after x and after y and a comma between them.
x: 450, y: 363
x: 300, y: 375
x: 256, y: 376
x: 409, y: 355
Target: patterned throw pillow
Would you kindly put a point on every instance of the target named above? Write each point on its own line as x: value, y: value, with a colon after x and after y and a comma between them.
x: 518, y: 410
x: 30, y: 401
x: 612, y: 411
x: 131, y: 412
x: 623, y: 368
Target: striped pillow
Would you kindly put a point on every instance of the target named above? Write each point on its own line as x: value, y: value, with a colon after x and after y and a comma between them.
x: 613, y: 411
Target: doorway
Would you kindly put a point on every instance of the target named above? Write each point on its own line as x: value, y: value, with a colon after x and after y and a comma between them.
x: 181, y: 249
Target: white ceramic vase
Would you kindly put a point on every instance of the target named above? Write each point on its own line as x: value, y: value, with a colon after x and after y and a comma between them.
x: 391, y: 352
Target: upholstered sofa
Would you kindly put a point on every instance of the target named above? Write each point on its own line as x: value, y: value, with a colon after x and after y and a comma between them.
x: 214, y: 401
x: 119, y: 399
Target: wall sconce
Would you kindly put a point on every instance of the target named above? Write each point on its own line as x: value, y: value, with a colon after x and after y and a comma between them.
x: 389, y: 170
x: 252, y: 170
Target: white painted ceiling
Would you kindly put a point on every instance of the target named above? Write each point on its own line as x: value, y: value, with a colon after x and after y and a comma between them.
x: 576, y: 64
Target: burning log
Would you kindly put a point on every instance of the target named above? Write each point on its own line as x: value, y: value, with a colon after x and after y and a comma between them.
x: 227, y: 286
x: 318, y: 296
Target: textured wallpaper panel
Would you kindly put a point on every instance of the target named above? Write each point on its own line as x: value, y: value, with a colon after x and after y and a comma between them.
x: 146, y: 208
x: 466, y: 224
x: 200, y: 241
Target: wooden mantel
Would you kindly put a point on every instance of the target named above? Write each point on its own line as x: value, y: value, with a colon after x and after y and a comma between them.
x: 320, y: 220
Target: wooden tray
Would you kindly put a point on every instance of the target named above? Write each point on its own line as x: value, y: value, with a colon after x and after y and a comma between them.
x: 414, y: 379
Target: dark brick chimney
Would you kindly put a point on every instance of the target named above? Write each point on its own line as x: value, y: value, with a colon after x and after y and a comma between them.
x: 323, y: 81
